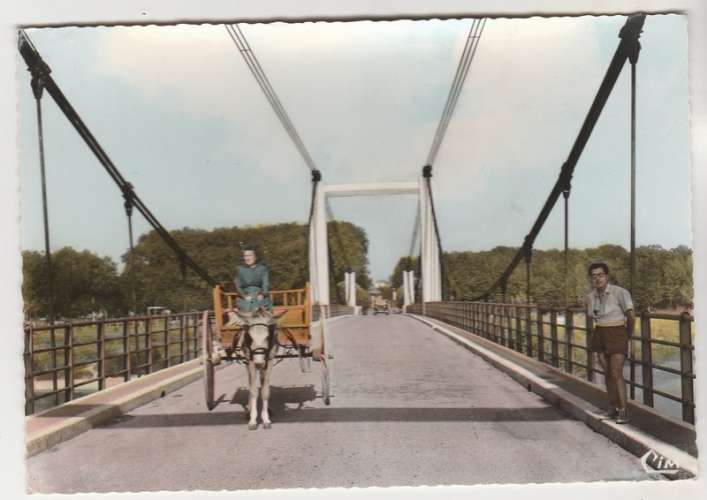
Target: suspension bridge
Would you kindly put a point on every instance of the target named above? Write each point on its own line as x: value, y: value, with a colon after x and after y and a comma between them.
x: 481, y: 389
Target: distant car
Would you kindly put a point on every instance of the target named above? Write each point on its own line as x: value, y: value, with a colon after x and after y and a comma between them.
x: 381, y: 309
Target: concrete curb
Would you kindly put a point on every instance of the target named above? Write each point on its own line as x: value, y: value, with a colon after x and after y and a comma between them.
x: 73, y: 426
x: 633, y: 440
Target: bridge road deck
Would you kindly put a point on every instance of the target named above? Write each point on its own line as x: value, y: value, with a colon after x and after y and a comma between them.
x: 409, y: 407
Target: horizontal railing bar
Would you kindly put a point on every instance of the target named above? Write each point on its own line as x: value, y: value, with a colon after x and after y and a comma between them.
x: 82, y: 344
x: 118, y: 355
x: 114, y: 374
x: 50, y: 370
x: 50, y: 393
x: 84, y: 363
x: 116, y: 321
x: 86, y: 382
x: 558, y: 309
x: 48, y: 349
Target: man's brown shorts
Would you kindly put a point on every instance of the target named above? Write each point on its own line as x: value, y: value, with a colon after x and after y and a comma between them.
x: 610, y: 340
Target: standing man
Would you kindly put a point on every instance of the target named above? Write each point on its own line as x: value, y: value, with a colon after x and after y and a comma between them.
x: 611, y: 308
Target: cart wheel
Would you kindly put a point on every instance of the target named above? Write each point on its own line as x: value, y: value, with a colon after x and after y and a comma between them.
x: 207, y: 357
x: 325, y: 381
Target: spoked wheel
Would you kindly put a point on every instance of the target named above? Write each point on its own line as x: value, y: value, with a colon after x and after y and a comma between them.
x: 207, y: 350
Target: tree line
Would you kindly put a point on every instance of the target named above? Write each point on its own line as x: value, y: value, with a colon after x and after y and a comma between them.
x: 663, y: 276
x: 86, y: 283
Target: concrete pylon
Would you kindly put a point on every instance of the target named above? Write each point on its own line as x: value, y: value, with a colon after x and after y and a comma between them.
x: 429, y: 250
x: 408, y: 288
x: 350, y: 286
x: 319, y: 251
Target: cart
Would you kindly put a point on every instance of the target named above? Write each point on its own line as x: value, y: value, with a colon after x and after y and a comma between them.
x: 294, y: 335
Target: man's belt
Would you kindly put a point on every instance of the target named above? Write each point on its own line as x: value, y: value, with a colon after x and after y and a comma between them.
x: 611, y: 324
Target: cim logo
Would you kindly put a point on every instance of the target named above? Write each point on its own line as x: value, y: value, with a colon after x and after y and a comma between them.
x: 655, y: 463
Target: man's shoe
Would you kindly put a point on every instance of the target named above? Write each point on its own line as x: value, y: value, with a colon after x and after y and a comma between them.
x: 622, y: 417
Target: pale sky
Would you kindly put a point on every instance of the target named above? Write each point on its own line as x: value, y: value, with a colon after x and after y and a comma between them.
x: 183, y: 119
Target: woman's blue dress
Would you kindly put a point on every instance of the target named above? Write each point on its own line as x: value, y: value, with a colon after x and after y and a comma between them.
x: 251, y: 281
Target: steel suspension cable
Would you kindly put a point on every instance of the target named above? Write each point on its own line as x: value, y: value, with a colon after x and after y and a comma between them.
x: 472, y: 42
x: 627, y: 48
x: 467, y: 56
x: 38, y: 89
x: 37, y: 66
x: 261, y: 78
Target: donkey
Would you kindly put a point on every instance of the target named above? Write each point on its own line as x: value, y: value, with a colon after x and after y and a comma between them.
x: 259, y: 346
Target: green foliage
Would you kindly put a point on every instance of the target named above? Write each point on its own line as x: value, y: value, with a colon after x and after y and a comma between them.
x: 83, y: 283
x: 282, y: 247
x: 663, y: 276
x: 348, y: 247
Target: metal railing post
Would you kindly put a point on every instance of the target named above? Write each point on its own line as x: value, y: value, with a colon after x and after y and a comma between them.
x: 501, y: 328
x: 589, y: 332
x: 181, y: 339
x: 554, y: 359
x: 101, y: 356
x: 55, y: 380
x: 29, y: 371
x: 148, y: 339
x: 528, y: 333
x: 166, y: 341
x: 487, y: 320
x: 126, y: 349
x: 646, y: 360
x: 541, y: 338
x: 519, y: 332
x: 569, y: 330
x: 632, y: 369
x: 686, y: 369
x: 196, y: 336
x: 69, y: 363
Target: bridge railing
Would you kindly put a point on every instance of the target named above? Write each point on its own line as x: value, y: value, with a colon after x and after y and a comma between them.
x: 64, y: 361
x: 661, y: 351
x: 340, y: 310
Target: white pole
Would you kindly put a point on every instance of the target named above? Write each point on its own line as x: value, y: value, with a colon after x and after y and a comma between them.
x: 351, y: 289
x: 429, y: 251
x: 347, y: 288
x: 322, y: 253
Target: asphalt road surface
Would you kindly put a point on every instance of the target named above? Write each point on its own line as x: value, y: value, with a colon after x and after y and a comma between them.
x: 408, y: 407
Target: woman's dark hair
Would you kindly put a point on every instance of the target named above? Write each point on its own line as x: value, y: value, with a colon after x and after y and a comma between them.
x: 249, y: 248
x: 596, y: 265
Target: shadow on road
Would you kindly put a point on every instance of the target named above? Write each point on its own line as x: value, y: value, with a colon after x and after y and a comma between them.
x: 280, y: 397
x: 333, y: 415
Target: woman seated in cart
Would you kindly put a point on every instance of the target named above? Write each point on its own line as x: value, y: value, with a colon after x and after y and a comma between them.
x: 252, y: 284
